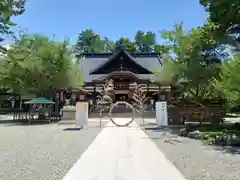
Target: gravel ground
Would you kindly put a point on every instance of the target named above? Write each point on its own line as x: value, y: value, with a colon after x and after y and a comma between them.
x: 47, y: 152
x: 41, y: 152
x: 198, y: 161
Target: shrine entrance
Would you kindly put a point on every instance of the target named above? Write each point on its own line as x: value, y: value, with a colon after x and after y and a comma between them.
x: 121, y: 97
x: 123, y: 88
x: 122, y: 81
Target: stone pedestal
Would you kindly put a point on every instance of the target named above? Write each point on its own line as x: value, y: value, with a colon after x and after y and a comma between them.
x: 69, y: 114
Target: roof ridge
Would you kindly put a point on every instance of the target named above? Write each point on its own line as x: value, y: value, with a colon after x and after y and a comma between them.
x: 134, y: 54
x: 111, y: 58
x: 102, y: 64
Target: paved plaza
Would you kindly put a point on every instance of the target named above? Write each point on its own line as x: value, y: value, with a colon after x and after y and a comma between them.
x: 41, y: 152
x: 59, y: 152
x: 123, y: 153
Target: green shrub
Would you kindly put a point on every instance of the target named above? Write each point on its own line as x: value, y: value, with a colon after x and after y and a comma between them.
x: 211, y: 134
x: 212, y: 127
x: 223, y: 134
x: 225, y: 138
x: 236, y: 126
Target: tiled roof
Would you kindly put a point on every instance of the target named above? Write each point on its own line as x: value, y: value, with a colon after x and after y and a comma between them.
x: 93, y: 60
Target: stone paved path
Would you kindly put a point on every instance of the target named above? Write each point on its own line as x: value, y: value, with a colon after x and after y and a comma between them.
x: 123, y: 154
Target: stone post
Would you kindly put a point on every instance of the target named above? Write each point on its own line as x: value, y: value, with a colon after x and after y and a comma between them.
x: 82, y: 103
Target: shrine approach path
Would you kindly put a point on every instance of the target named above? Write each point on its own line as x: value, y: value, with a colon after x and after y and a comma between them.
x: 123, y: 153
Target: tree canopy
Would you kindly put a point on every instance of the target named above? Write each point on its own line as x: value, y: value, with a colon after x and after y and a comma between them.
x: 90, y: 41
x: 7, y: 10
x: 227, y: 84
x: 185, y: 59
x: 35, y: 64
x: 225, y: 13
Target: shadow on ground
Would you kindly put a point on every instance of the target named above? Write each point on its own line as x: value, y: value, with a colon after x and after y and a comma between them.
x: 227, y: 149
x: 26, y: 123
x: 153, y: 127
x: 160, y: 133
x: 72, y: 129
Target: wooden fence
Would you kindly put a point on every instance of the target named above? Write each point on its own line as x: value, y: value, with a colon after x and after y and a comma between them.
x: 208, y: 111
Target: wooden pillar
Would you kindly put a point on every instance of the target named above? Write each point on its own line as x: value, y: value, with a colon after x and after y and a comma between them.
x: 162, y: 96
x: 13, y: 102
x: 159, y: 93
x: 94, y: 97
x: 20, y: 105
x: 169, y: 95
x: 58, y: 99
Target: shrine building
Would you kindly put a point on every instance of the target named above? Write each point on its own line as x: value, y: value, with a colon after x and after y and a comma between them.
x: 124, y: 69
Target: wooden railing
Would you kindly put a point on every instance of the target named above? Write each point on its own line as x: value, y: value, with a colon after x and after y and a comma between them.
x: 124, y: 86
x: 199, y: 113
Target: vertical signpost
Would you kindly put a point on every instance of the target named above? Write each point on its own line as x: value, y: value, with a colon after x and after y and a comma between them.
x: 161, y: 113
x: 81, y: 111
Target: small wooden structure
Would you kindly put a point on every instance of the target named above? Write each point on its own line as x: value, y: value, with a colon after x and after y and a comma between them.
x: 39, y: 106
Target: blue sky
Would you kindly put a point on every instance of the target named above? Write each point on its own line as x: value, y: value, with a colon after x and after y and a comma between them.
x: 66, y: 18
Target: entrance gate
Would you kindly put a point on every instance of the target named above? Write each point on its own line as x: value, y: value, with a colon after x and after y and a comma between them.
x: 135, y: 105
x: 121, y: 113
x: 118, y: 104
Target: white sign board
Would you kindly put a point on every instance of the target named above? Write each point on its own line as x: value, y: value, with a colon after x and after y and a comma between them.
x: 161, y: 113
x: 81, y: 114
x: 81, y: 97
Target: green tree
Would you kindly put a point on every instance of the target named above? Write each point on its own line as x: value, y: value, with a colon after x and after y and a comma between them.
x: 127, y: 43
x: 169, y: 72
x: 109, y: 45
x: 228, y: 82
x: 145, y: 41
x: 35, y: 64
x: 89, y: 41
x: 7, y: 10
x: 161, y: 49
x: 186, y: 59
x: 225, y: 13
